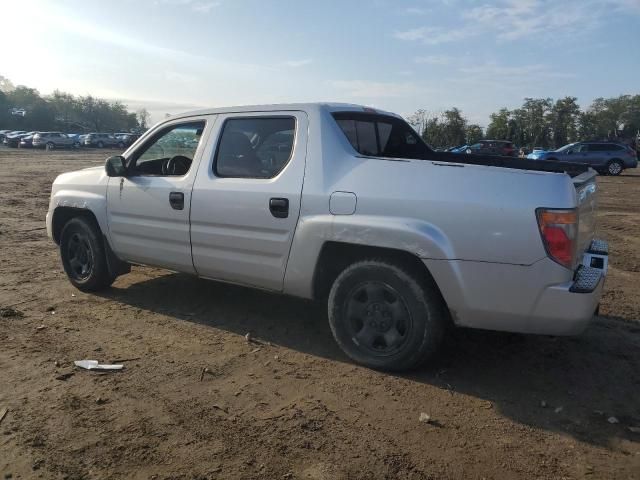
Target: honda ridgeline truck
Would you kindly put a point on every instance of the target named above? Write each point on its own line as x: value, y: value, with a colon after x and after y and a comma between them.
x: 347, y: 205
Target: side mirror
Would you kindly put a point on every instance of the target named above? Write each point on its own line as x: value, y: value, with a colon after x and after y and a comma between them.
x: 569, y: 152
x: 116, y: 166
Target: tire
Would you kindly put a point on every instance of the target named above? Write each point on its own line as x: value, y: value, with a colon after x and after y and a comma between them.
x: 83, y: 255
x: 50, y: 146
x: 614, y: 168
x: 385, y: 317
x: 100, y: 145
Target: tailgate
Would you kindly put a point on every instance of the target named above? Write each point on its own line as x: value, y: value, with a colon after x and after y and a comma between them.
x: 586, y: 195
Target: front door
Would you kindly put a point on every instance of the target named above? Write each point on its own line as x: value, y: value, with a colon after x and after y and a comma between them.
x: 579, y: 154
x: 246, y: 198
x: 148, y: 210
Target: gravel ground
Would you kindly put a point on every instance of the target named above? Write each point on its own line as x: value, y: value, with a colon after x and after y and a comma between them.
x: 292, y: 406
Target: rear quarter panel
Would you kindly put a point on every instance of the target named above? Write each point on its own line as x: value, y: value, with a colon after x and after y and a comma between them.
x: 433, y: 210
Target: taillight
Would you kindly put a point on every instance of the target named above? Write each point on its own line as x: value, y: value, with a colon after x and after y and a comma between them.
x: 559, y: 231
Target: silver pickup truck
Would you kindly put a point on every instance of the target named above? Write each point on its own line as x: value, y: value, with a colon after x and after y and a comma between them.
x: 347, y: 205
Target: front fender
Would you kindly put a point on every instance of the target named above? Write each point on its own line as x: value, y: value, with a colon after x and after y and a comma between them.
x: 82, y: 190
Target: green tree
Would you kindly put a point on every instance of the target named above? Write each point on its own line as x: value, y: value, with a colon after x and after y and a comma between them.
x: 498, y: 128
x: 473, y: 134
x: 454, y: 128
x: 143, y: 117
x: 564, y: 121
x: 6, y: 85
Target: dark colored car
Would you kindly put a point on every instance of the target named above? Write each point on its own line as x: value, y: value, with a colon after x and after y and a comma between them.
x: 493, y: 147
x: 13, y: 139
x: 129, y: 138
x: 3, y: 133
x: 17, y: 139
x: 26, y: 141
x: 606, y: 157
x: 103, y: 140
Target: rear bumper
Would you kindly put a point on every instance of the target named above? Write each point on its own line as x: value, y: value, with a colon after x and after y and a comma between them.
x: 544, y: 298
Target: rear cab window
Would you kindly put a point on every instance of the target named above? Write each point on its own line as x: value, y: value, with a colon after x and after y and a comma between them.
x: 379, y: 135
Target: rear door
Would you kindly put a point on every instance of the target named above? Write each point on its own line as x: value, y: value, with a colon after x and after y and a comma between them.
x: 148, y: 210
x: 246, y: 198
x: 600, y: 154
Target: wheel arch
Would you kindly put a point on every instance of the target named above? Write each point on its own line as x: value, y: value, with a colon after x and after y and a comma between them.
x: 335, y: 256
x: 62, y: 214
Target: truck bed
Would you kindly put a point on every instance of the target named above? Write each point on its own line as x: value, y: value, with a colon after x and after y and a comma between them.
x: 572, y: 169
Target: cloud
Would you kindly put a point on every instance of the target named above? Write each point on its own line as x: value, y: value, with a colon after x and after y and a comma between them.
x: 371, y: 89
x: 516, y: 19
x: 297, y: 63
x: 417, y: 11
x: 521, y: 18
x: 434, y: 35
x: 434, y: 60
x: 197, y: 6
x: 495, y: 72
x: 204, y: 7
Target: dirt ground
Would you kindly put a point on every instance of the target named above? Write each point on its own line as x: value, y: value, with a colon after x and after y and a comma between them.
x: 292, y: 406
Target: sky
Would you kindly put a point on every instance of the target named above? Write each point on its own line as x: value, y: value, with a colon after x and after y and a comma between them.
x: 176, y: 55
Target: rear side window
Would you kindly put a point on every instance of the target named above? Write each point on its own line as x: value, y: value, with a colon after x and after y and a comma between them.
x: 595, y: 147
x: 380, y: 135
x: 254, y: 147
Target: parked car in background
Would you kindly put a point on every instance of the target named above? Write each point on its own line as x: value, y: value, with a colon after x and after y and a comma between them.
x: 77, y: 139
x: 52, y: 140
x: 493, y: 147
x: 459, y: 149
x: 3, y: 133
x: 103, y: 140
x: 9, y: 135
x: 26, y: 141
x: 129, y: 138
x: 605, y: 157
x: 14, y: 140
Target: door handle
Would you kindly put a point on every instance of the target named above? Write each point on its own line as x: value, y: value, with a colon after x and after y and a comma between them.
x: 279, y: 207
x: 176, y: 200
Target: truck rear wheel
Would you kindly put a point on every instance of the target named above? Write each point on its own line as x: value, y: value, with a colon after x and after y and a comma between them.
x: 83, y: 255
x: 385, y: 317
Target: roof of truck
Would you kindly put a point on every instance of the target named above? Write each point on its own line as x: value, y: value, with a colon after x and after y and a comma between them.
x: 330, y: 106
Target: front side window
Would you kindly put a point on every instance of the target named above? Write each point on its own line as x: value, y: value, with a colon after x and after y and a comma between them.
x: 381, y: 135
x: 254, y: 147
x: 169, y: 152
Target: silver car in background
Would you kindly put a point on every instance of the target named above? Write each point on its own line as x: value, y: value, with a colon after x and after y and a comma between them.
x: 53, y: 140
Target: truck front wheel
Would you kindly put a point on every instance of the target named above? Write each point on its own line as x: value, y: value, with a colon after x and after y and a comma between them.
x: 385, y: 317
x: 83, y: 255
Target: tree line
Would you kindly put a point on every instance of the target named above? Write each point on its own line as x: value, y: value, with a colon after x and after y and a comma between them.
x: 539, y: 122
x: 23, y: 108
